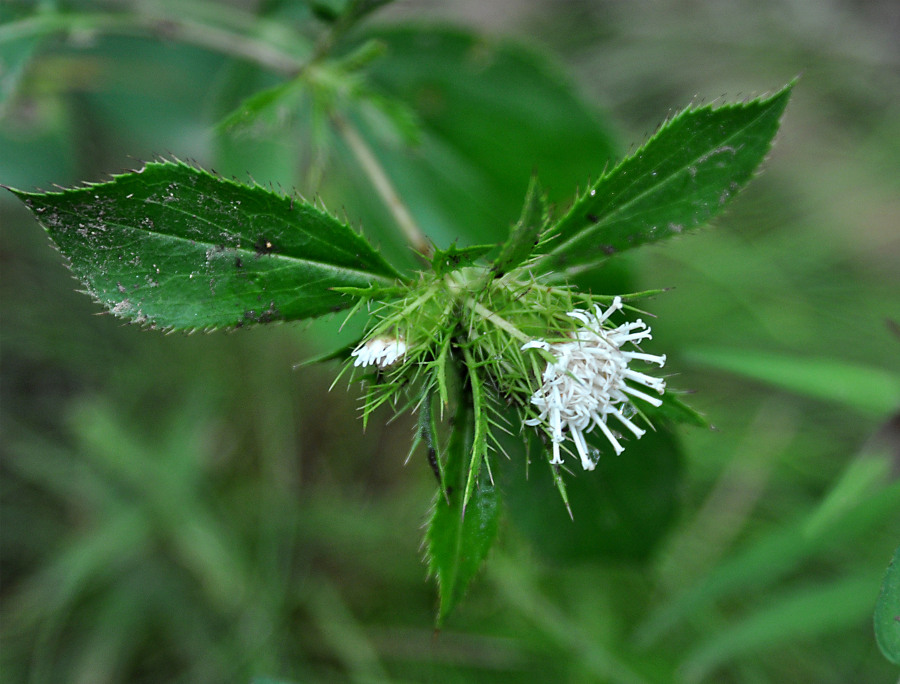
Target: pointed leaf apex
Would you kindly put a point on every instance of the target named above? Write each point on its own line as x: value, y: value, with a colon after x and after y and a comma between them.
x: 171, y: 246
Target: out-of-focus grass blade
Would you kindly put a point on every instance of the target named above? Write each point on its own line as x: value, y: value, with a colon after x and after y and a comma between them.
x: 805, y: 612
x: 773, y: 556
x: 864, y: 388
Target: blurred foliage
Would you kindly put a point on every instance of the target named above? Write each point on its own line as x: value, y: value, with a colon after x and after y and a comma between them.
x: 188, y: 509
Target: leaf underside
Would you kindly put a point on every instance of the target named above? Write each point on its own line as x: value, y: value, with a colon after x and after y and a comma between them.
x: 682, y: 177
x: 175, y: 247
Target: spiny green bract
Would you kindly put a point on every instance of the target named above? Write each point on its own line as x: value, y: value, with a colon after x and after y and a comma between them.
x: 467, y: 317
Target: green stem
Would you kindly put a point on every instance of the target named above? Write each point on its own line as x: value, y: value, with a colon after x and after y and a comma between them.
x: 161, y: 25
x: 379, y: 178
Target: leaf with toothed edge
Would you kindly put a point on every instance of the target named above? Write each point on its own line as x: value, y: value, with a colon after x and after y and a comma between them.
x: 683, y: 176
x: 175, y: 247
x: 453, y: 258
x: 524, y: 236
x: 461, y: 533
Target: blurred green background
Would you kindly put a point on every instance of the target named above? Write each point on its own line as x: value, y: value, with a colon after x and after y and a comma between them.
x: 189, y: 508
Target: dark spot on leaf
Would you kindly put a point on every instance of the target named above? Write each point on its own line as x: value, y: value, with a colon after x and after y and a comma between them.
x: 593, y: 218
x: 608, y: 249
x: 238, y: 263
x: 262, y: 246
x: 432, y: 461
x: 254, y: 316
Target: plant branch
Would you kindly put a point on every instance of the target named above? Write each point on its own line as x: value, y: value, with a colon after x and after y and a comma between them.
x: 160, y: 26
x: 379, y: 178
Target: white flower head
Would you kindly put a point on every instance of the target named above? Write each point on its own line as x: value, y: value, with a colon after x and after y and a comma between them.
x: 587, y: 382
x: 382, y: 351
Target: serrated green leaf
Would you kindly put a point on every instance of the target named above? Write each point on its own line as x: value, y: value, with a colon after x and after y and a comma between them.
x: 887, y: 612
x: 175, y: 247
x: 523, y: 238
x: 427, y: 432
x: 682, y: 177
x: 457, y: 541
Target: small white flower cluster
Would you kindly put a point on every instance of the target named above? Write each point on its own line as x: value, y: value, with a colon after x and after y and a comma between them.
x: 586, y: 384
x: 379, y: 351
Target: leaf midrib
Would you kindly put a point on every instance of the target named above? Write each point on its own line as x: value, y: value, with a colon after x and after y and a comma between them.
x: 619, y: 209
x: 322, y: 265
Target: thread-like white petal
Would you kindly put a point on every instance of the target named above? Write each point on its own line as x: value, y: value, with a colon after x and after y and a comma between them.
x: 379, y: 351
x: 586, y: 383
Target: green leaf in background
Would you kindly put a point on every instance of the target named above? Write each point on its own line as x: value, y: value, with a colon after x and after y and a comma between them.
x: 764, y: 561
x: 457, y: 542
x: 175, y: 247
x: 682, y: 177
x: 492, y: 114
x: 523, y: 238
x: 887, y: 612
x: 863, y: 388
x: 813, y: 610
x: 267, y: 109
x: 315, y: 94
x: 621, y: 510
